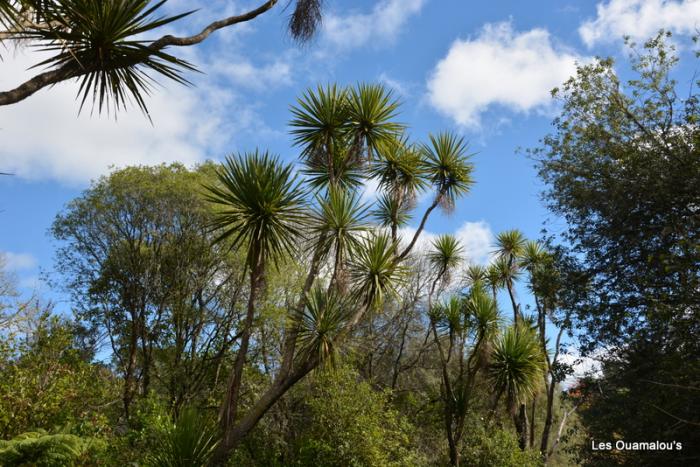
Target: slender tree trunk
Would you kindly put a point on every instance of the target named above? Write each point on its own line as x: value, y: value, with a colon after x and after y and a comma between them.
x: 449, y: 398
x: 397, y: 362
x: 452, y: 442
x: 146, y: 350
x: 550, y: 398
x: 229, y: 408
x: 548, y: 419
x: 494, y: 406
x: 521, y: 426
x: 129, y: 371
x: 274, y: 393
x: 291, y: 332
x: 532, y: 422
x: 285, y: 379
x: 511, y: 294
x: 560, y: 430
x: 430, y: 209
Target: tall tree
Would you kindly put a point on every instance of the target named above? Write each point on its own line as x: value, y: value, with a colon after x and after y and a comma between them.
x: 517, y: 369
x: 463, y: 329
x: 622, y: 168
x: 262, y: 212
x: 340, y: 131
x: 135, y: 255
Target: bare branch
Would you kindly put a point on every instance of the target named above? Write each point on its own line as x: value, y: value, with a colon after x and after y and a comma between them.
x: 678, y: 386
x: 688, y: 422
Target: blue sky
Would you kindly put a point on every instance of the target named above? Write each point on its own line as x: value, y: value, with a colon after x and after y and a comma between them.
x: 482, y: 69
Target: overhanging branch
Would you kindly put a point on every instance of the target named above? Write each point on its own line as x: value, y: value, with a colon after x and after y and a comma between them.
x: 74, y: 70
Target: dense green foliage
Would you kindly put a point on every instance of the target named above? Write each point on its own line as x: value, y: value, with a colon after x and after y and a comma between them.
x: 49, y: 382
x: 623, y: 168
x: 270, y: 302
x: 351, y: 424
x: 189, y: 442
x: 255, y: 313
x: 40, y: 449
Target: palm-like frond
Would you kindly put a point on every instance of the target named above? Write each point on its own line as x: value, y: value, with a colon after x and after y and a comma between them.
x: 510, y: 243
x: 343, y: 172
x: 532, y: 255
x: 190, y: 442
x: 371, y: 110
x: 263, y: 207
x: 448, y: 168
x: 41, y: 448
x: 320, y: 323
x: 342, y: 218
x: 436, y: 313
x: 529, y: 322
x: 517, y: 364
x: 399, y: 169
x: 446, y: 253
x: 8, y: 13
x: 451, y: 315
x: 100, y: 40
x: 475, y: 275
x: 494, y: 279
x: 319, y: 122
x: 374, y: 271
x: 505, y: 272
x: 391, y: 211
x: 482, y: 313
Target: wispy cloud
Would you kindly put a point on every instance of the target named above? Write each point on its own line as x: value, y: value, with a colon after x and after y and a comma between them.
x: 380, y: 26
x: 581, y: 366
x: 640, y: 19
x: 499, y: 66
x: 399, y: 87
x: 17, y: 261
x: 476, y: 238
x: 248, y: 75
x: 45, y: 138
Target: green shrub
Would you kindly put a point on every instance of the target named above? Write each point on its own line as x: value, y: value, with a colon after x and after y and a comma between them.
x: 40, y: 449
x: 487, y: 448
x: 351, y: 424
x: 189, y: 442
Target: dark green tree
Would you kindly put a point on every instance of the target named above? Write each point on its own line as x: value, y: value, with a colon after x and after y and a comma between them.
x: 136, y: 257
x: 622, y: 167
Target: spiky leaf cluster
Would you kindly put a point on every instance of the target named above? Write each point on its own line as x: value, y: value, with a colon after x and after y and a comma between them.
x: 320, y: 324
x: 102, y: 42
x: 447, y: 165
x: 262, y: 206
x: 517, y: 364
x: 339, y: 129
x: 374, y: 271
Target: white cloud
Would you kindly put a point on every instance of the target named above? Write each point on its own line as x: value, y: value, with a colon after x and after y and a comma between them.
x: 370, y: 190
x: 399, y: 87
x: 476, y: 238
x: 640, y: 19
x: 381, y: 25
x: 498, y: 66
x: 259, y: 78
x: 44, y: 137
x: 582, y: 366
x: 18, y: 261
